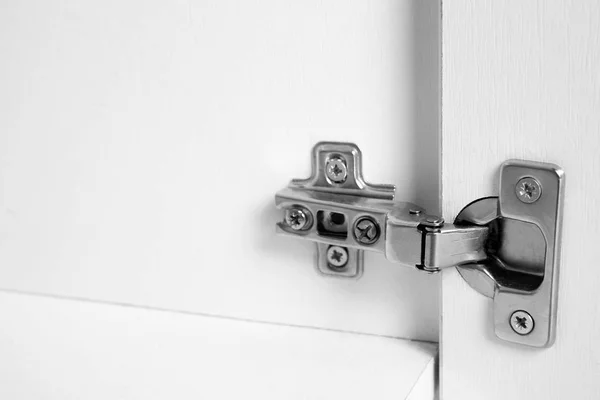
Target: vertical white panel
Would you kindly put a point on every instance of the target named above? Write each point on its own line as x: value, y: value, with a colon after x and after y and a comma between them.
x: 522, y: 80
x: 142, y: 142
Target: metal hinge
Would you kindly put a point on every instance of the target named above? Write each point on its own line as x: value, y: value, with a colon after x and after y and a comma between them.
x: 506, y: 247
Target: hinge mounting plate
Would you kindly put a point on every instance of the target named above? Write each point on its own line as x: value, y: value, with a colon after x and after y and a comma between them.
x: 336, y: 171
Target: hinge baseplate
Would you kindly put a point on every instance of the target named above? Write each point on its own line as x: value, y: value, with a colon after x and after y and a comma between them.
x: 323, y: 205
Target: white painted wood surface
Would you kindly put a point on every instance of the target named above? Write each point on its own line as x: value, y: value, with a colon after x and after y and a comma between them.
x: 64, y: 349
x: 427, y: 386
x: 142, y: 143
x: 522, y: 80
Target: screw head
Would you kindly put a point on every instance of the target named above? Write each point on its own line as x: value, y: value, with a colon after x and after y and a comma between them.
x: 366, y: 230
x: 528, y: 190
x: 433, y: 222
x: 522, y: 322
x: 297, y: 219
x: 336, y: 170
x: 337, y: 257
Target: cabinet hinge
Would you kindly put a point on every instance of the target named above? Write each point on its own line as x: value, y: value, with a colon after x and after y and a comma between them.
x: 505, y: 247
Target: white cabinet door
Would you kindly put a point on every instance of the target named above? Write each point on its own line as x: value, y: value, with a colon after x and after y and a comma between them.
x: 142, y: 143
x: 521, y: 80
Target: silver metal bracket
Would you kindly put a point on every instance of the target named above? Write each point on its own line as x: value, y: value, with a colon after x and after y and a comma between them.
x: 320, y: 207
x: 505, y: 247
x: 520, y: 273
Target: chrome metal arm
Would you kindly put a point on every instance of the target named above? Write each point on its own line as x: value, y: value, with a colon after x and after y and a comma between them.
x: 404, y: 232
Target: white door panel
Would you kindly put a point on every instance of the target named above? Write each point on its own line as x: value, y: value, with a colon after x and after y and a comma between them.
x: 142, y: 143
x: 521, y: 80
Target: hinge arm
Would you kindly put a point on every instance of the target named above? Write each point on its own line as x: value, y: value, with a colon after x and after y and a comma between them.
x: 402, y: 231
x: 432, y: 245
x: 452, y: 245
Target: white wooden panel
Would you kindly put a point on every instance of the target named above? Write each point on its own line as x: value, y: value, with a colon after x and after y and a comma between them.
x: 427, y: 385
x: 63, y: 349
x: 521, y: 80
x: 142, y: 143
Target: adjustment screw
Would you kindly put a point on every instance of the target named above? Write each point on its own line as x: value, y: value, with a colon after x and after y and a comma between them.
x: 528, y: 190
x: 366, y: 230
x: 297, y: 219
x: 521, y: 322
x: 337, y: 257
x: 336, y: 170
